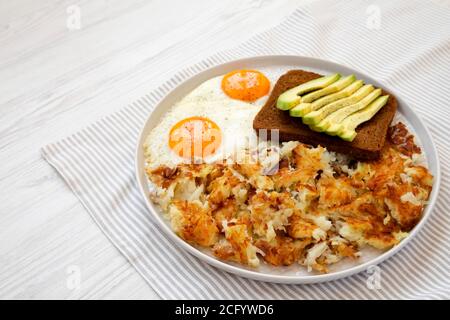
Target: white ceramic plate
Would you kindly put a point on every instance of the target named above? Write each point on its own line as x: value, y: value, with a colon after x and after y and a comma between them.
x: 274, y: 66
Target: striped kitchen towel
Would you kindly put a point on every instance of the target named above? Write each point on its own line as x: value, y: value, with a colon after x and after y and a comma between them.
x: 404, y: 44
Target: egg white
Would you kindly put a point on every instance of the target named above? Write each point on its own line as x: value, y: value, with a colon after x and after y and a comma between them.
x: 234, y: 118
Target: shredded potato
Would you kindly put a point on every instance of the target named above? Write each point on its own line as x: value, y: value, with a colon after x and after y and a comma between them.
x: 315, y: 210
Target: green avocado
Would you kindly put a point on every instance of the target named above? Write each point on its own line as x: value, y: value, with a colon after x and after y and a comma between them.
x: 333, y: 129
x: 314, y: 128
x: 291, y: 97
x: 338, y: 116
x: 332, y: 88
x: 300, y: 110
x: 315, y: 117
x: 349, y: 125
x: 322, y: 126
x: 344, y: 93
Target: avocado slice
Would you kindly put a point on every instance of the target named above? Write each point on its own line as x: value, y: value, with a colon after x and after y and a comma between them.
x: 304, y: 108
x: 349, y: 125
x: 314, y: 128
x: 291, y: 97
x: 322, y: 126
x: 344, y: 93
x: 334, y: 119
x: 300, y: 110
x: 315, y: 117
x: 333, y: 129
x: 332, y: 88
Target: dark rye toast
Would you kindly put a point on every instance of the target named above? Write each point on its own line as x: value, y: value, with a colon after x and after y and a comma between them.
x: 367, y: 144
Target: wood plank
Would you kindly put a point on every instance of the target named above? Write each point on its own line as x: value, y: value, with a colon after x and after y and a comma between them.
x: 56, y: 81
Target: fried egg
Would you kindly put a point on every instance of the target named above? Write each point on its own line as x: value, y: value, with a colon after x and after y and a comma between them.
x: 211, y: 122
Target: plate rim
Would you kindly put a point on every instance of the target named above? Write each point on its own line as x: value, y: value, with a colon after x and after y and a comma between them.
x: 314, y: 278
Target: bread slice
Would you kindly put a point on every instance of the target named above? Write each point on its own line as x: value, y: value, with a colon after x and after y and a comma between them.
x: 367, y: 144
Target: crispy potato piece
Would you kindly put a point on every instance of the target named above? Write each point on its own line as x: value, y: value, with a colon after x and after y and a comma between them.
x: 237, y: 246
x: 282, y: 251
x: 193, y: 222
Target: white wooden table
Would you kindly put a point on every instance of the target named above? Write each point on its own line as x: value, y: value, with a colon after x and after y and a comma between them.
x: 59, y: 73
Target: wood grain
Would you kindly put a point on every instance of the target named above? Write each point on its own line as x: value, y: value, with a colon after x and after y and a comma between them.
x: 55, y: 81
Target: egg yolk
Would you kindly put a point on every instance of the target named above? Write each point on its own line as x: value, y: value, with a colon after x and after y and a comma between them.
x: 245, y: 85
x: 195, y: 138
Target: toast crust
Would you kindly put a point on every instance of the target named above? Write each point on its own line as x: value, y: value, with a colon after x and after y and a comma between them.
x: 367, y: 145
